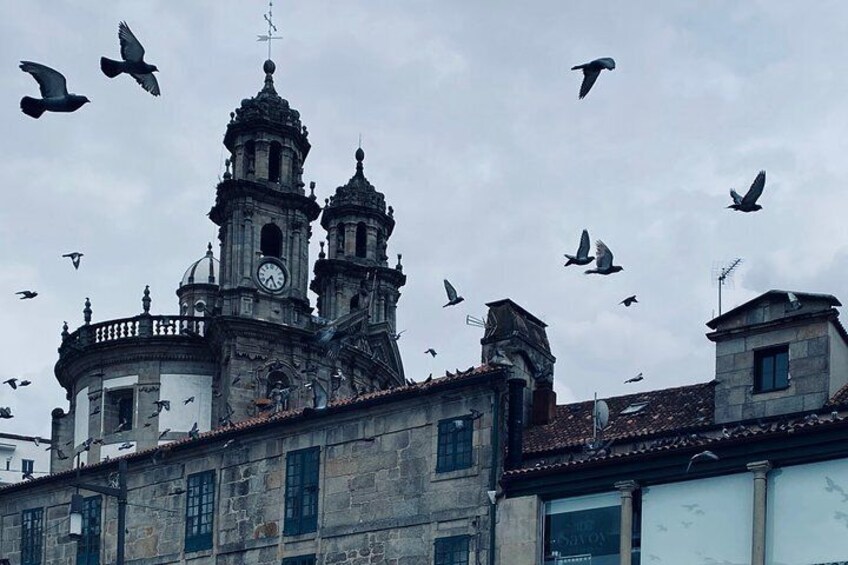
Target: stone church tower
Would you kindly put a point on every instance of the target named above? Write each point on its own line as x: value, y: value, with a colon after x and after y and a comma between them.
x: 245, y: 341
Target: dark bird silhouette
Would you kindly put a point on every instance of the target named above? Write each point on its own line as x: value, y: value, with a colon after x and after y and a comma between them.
x: 160, y: 404
x: 629, y: 300
x: 5, y: 413
x: 635, y: 379
x: 748, y: 203
x: 27, y: 294
x: 429, y: 378
x: 194, y: 431
x: 164, y: 433
x: 36, y: 441
x: 453, y: 297
x: 75, y: 257
x: 24, y: 383
x: 237, y: 379
x: 133, y: 63
x: 395, y: 337
x: 188, y: 400
x: 61, y: 455
x: 591, y: 71
x: 702, y: 456
x: 54, y: 92
x: 13, y: 382
x: 582, y: 257
x: 431, y: 351
x: 603, y: 262
x: 125, y: 445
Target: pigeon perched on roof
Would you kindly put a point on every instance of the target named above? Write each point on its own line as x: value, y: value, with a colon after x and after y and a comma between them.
x: 582, y: 257
x: 27, y: 294
x: 133, y: 63
x: 603, y: 262
x: 748, y: 203
x: 453, y: 297
x: 75, y: 257
x: 794, y: 303
x: 629, y: 300
x: 54, y: 92
x: 591, y: 71
x: 702, y: 456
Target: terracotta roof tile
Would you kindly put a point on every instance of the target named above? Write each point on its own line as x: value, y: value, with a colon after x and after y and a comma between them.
x: 840, y: 398
x: 671, y: 409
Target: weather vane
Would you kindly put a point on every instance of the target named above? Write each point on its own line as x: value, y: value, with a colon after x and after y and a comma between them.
x: 269, y: 17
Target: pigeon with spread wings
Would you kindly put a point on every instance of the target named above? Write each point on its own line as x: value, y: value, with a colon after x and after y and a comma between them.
x: 75, y: 257
x: 54, y: 92
x: 748, y: 203
x: 133, y: 63
x: 603, y: 262
x: 453, y: 297
x: 591, y: 72
x: 582, y: 257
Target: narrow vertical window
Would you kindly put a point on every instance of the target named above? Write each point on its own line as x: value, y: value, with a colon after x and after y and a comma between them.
x: 27, y: 467
x: 32, y: 528
x: 250, y: 157
x: 451, y: 551
x: 340, y: 239
x: 275, y: 156
x: 361, y: 239
x: 271, y: 241
x: 200, y: 509
x: 454, y: 449
x: 88, y: 547
x: 302, y: 491
x: 771, y: 369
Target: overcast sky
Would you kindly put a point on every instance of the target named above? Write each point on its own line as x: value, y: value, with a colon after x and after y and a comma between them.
x: 472, y: 128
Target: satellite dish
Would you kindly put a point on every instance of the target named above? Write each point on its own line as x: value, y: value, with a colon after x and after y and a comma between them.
x: 601, y: 415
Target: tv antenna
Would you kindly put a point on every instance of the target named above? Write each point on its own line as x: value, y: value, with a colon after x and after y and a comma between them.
x: 724, y: 274
x: 269, y: 18
x: 489, y: 324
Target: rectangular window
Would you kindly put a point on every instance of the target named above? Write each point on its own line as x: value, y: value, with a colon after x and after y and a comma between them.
x: 200, y: 509
x: 119, y: 410
x: 454, y: 444
x: 88, y: 547
x: 302, y: 491
x: 451, y: 551
x: 31, y: 531
x: 585, y: 530
x: 771, y: 369
x: 301, y: 560
x: 27, y: 466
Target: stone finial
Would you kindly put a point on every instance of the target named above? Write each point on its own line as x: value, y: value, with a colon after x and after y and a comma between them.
x: 312, y: 190
x: 360, y: 157
x: 326, y: 202
x: 145, y: 300
x: 391, y: 212
x: 65, y: 333
x: 227, y: 174
x: 399, y: 266
x: 86, y: 312
x: 232, y: 117
x: 321, y: 254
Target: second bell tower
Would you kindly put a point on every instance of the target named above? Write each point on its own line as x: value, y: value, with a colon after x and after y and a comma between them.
x: 263, y: 213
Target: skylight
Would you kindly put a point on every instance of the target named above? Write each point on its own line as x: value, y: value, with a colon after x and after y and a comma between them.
x: 634, y: 408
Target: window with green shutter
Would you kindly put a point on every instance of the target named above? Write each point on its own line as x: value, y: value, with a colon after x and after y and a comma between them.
x: 200, y: 510
x: 301, y: 491
x: 454, y: 444
x: 32, y: 527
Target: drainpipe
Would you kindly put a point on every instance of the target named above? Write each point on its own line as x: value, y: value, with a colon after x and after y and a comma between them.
x: 758, y: 545
x: 493, y: 470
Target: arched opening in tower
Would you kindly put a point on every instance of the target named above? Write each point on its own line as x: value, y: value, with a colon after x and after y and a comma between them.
x: 360, y: 239
x: 354, y: 302
x: 250, y: 157
x: 271, y: 241
x: 340, y: 239
x: 275, y: 157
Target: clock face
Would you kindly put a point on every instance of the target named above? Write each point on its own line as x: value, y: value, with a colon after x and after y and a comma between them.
x: 271, y: 276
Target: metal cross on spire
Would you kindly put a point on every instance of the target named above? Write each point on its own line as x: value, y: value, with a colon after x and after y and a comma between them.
x: 269, y: 17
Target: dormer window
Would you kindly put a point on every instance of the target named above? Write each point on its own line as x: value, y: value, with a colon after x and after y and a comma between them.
x: 771, y: 369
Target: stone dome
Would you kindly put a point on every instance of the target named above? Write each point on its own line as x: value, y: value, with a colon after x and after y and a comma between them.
x: 202, y: 271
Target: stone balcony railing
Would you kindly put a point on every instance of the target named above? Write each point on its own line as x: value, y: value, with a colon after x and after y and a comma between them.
x: 144, y: 326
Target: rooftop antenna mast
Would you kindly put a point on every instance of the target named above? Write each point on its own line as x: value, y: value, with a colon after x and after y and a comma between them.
x: 722, y: 274
x: 269, y: 17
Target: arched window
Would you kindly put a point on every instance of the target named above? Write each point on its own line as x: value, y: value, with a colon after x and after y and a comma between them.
x: 360, y: 239
x: 275, y: 379
x: 275, y: 161
x: 250, y: 157
x: 340, y: 239
x: 271, y: 241
x: 381, y: 246
x: 354, y: 303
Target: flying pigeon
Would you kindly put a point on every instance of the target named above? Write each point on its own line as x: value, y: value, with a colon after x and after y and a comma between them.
x: 125, y: 445
x: 27, y: 294
x: 591, y: 71
x: 54, y: 92
x: 794, y: 303
x: 13, y: 382
x: 635, y: 379
x: 702, y: 456
x: 5, y: 413
x: 164, y: 432
x: 629, y: 300
x: 133, y: 63
x: 25, y: 383
x: 75, y: 257
x: 160, y: 404
x: 603, y: 263
x: 431, y: 351
x: 188, y: 400
x: 582, y: 257
x: 194, y: 431
x: 453, y: 298
x: 228, y: 443
x: 748, y: 203
x: 121, y: 426
x: 395, y: 337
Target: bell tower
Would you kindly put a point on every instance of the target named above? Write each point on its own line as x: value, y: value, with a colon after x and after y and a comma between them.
x: 263, y: 212
x: 354, y: 274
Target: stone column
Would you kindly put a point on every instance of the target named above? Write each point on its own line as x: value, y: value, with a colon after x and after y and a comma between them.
x: 625, y: 550
x: 758, y: 545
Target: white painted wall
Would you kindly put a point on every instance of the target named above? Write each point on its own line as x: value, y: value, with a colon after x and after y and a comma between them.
x: 81, y: 411
x: 15, y: 449
x: 177, y: 388
x: 699, y: 522
x: 111, y: 450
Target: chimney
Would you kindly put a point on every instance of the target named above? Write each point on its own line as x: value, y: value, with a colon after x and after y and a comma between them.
x: 515, y: 423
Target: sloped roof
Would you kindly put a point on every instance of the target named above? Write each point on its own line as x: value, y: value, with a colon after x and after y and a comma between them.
x: 781, y: 294
x: 667, y: 410
x: 840, y: 398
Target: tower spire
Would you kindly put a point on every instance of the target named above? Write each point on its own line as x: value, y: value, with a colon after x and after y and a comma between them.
x: 269, y: 37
